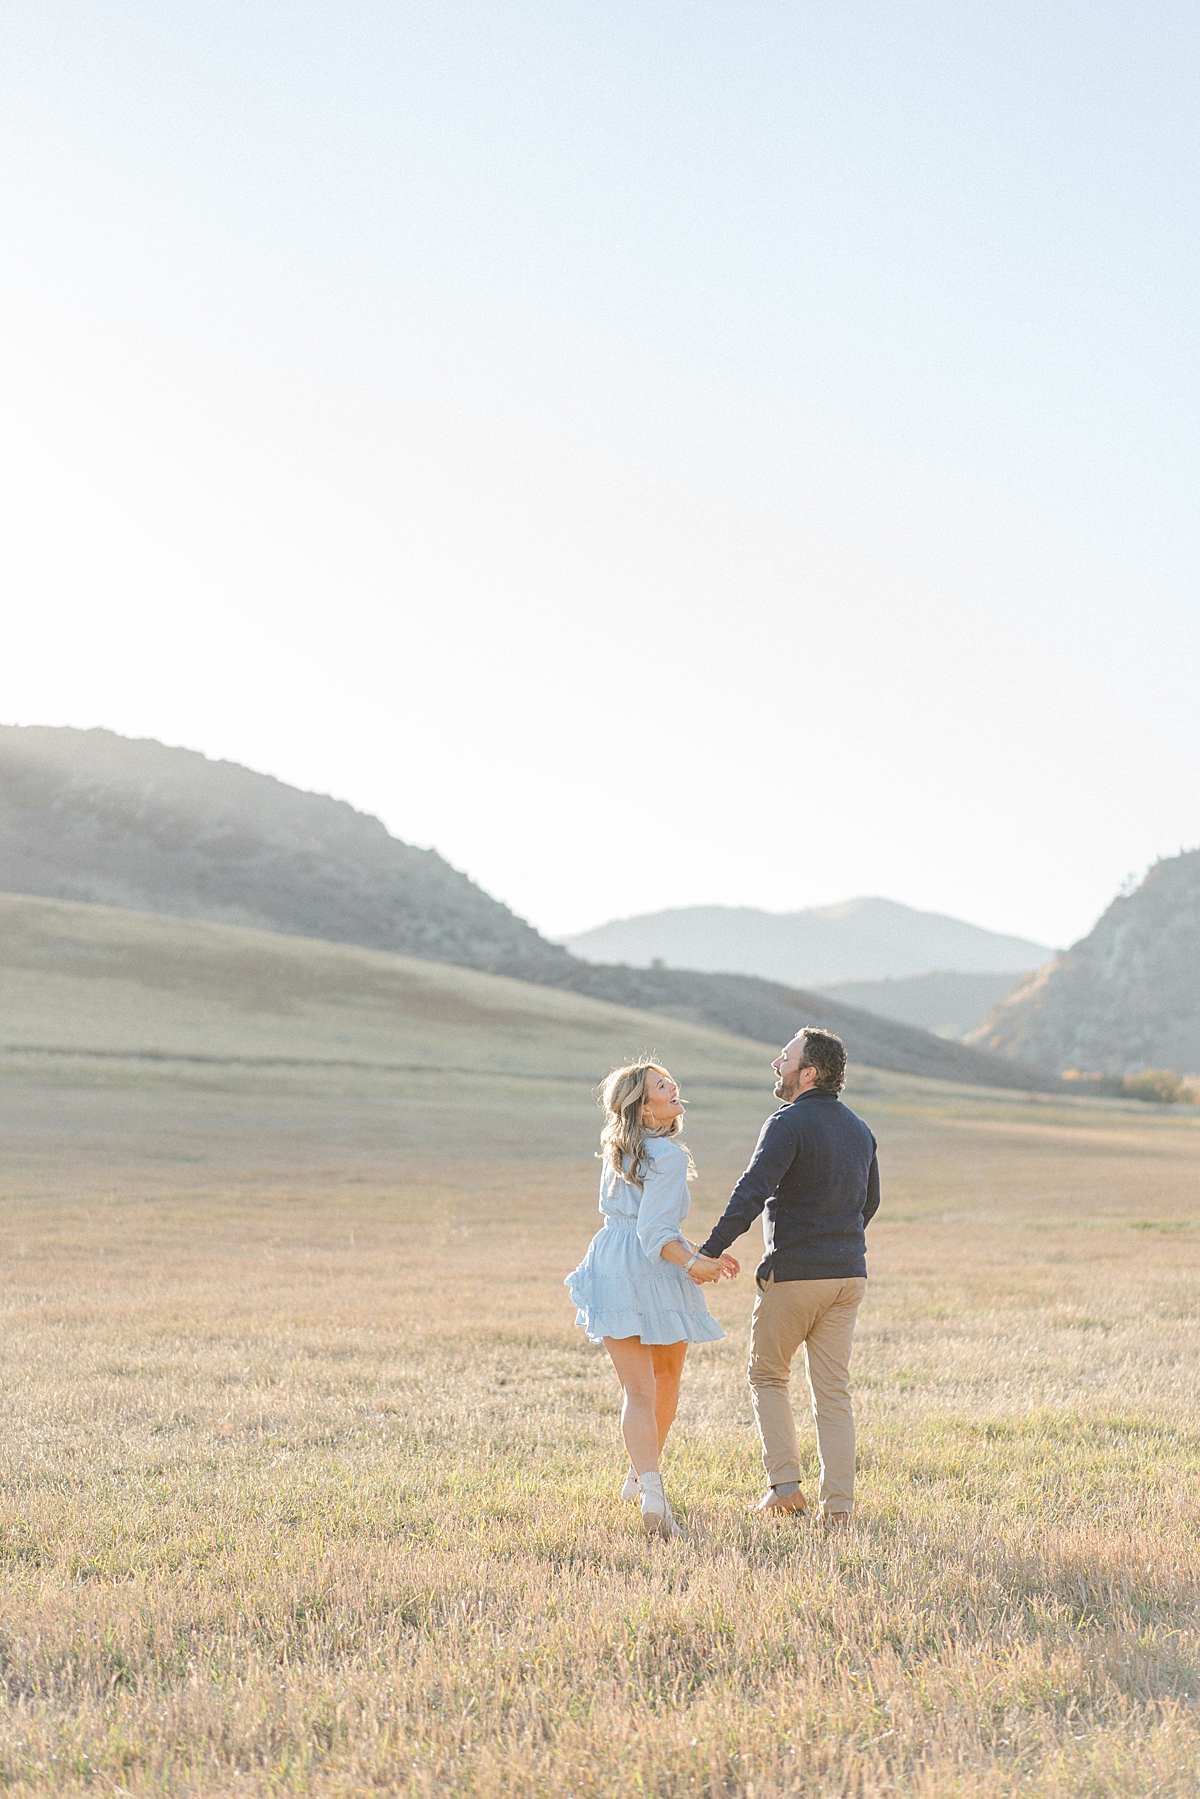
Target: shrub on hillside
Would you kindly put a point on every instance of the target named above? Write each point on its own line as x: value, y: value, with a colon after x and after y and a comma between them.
x: 1160, y: 1085
x: 1110, y: 1085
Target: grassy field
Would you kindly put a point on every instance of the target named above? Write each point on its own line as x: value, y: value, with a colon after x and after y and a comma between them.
x: 107, y: 981
x: 310, y: 1483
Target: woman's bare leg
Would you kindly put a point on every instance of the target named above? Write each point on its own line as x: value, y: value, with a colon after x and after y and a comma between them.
x: 668, y: 1372
x: 634, y: 1363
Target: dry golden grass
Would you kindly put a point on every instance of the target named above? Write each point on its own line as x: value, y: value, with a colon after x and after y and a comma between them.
x: 310, y: 1483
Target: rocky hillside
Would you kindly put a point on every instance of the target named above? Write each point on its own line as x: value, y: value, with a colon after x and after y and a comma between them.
x: 89, y: 815
x: 1125, y: 997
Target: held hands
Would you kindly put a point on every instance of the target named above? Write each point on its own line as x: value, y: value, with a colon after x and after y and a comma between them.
x: 708, y: 1268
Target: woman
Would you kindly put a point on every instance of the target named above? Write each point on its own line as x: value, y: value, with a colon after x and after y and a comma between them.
x: 637, y: 1288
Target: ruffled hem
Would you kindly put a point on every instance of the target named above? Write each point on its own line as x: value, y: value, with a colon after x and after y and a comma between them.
x: 662, y: 1325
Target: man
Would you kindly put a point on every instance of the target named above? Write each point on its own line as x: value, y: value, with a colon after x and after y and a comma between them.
x: 815, y: 1170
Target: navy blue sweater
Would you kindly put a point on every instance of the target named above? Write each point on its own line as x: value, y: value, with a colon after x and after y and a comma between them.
x: 814, y: 1169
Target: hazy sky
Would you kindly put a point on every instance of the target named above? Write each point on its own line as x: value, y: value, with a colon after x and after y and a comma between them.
x: 655, y: 453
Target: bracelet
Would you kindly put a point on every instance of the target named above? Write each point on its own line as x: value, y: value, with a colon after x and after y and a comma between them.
x: 692, y: 1260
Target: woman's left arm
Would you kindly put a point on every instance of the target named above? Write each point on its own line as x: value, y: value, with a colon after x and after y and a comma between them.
x: 663, y: 1204
x: 700, y: 1268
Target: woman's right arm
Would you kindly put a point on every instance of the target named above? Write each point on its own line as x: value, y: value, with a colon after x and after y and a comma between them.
x: 663, y: 1203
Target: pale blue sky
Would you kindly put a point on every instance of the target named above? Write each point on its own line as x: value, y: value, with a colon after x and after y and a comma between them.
x: 656, y: 454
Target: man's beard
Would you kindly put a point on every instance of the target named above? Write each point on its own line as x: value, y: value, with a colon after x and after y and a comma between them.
x: 788, y: 1087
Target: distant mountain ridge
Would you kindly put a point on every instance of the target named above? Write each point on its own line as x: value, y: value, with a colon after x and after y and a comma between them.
x: 855, y: 940
x: 94, y: 817
x: 1125, y: 997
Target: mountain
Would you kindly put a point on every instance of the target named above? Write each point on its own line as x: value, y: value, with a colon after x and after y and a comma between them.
x: 1125, y: 997
x: 857, y: 940
x: 949, y: 1005
x: 89, y: 815
x: 92, y: 817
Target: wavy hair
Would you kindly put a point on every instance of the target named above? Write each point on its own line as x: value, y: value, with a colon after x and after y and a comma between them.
x: 624, y: 1136
x: 827, y: 1054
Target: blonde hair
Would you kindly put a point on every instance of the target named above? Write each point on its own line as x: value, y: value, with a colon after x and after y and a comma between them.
x: 624, y: 1135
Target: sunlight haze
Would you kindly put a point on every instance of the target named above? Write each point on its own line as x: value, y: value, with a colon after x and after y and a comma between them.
x: 657, y: 455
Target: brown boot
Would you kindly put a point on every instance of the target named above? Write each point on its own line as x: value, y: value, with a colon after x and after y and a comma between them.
x: 772, y: 1501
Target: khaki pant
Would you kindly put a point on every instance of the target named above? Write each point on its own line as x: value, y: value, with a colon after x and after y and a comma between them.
x: 819, y: 1314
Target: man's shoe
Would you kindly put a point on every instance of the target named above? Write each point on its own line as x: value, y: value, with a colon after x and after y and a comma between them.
x: 772, y: 1501
x: 836, y: 1520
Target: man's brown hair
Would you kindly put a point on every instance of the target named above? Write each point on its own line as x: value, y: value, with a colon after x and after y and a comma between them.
x: 827, y: 1054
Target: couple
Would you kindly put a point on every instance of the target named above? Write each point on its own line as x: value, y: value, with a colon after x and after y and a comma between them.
x: 638, y: 1287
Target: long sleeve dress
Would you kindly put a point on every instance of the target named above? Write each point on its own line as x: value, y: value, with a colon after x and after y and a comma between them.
x: 623, y: 1288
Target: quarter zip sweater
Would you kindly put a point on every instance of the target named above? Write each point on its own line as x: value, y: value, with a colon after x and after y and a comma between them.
x: 815, y: 1171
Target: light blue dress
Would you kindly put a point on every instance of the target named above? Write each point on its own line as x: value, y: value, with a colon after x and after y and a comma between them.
x: 622, y: 1287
